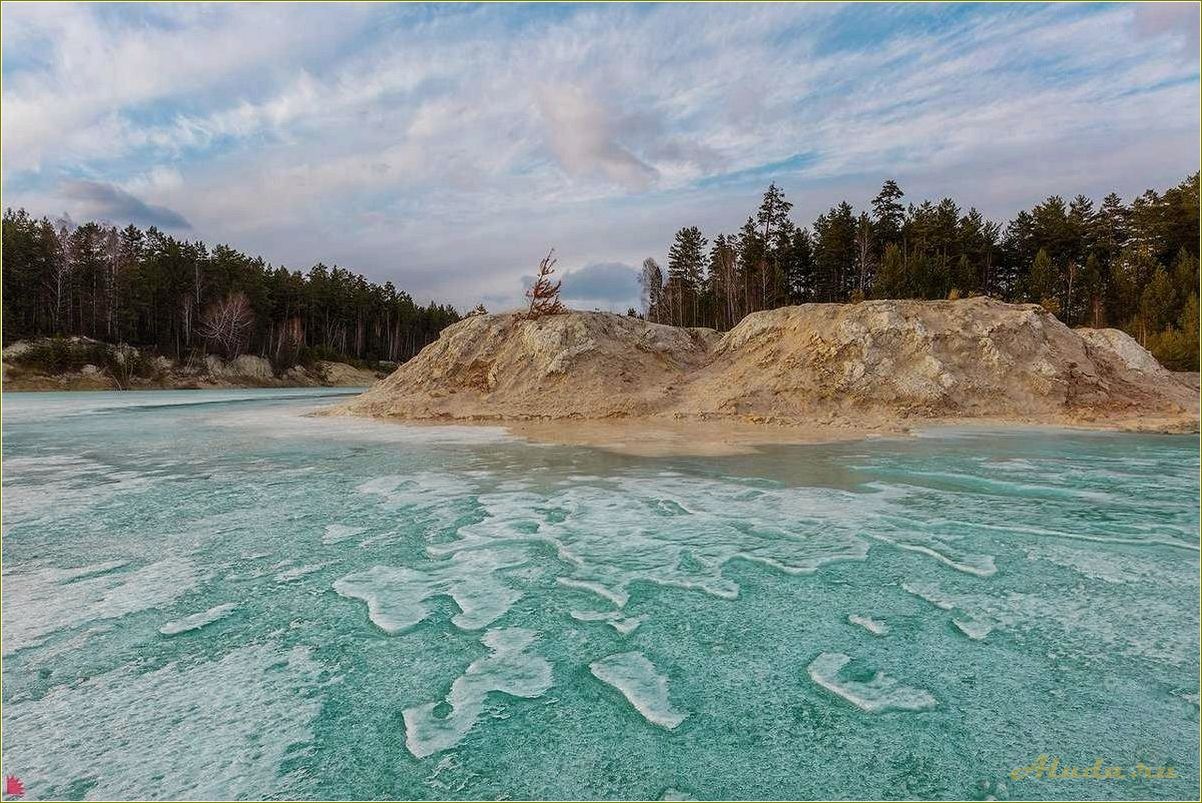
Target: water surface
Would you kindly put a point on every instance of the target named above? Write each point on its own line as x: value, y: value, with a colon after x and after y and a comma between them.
x: 209, y: 595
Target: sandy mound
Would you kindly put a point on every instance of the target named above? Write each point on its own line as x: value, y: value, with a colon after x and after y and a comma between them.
x: 874, y: 362
x: 578, y: 365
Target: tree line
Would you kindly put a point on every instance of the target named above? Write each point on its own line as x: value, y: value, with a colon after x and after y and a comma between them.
x: 149, y: 289
x: 1128, y: 265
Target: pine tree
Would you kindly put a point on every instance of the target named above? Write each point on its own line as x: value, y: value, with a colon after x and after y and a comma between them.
x: 888, y: 213
x: 1156, y: 304
x: 773, y: 220
x: 1130, y: 273
x: 1094, y: 289
x: 835, y: 252
x: 1177, y: 348
x: 686, y: 272
x: 891, y: 279
x: 751, y: 248
x: 1043, y: 282
x: 963, y: 277
x: 798, y: 267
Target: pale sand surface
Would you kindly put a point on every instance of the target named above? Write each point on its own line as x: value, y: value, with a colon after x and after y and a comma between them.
x: 662, y: 437
x: 807, y: 374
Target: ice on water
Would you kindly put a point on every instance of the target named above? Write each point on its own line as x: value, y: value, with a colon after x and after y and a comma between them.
x: 198, y: 620
x: 639, y: 682
x: 44, y: 601
x: 287, y: 606
x: 873, y: 626
x: 396, y: 596
x: 878, y: 693
x: 212, y: 730
x: 509, y: 668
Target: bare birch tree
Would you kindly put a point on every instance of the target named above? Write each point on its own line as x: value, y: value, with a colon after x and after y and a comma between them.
x: 227, y: 324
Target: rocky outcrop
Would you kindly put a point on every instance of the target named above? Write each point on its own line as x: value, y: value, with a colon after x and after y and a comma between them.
x: 972, y: 358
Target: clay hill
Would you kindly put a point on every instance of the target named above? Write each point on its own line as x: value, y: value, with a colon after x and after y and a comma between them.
x: 872, y: 362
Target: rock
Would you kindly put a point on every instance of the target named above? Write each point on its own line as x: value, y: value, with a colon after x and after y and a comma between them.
x: 253, y: 367
x: 815, y: 362
x: 245, y: 366
x: 89, y: 370
x: 18, y: 349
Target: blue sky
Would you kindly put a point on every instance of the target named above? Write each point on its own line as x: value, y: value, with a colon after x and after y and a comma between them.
x: 447, y: 147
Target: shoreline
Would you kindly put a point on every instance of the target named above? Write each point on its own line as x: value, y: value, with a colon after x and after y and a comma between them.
x: 656, y: 437
x: 322, y: 375
x: 183, y: 387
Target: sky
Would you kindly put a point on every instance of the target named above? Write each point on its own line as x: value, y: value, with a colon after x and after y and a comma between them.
x: 447, y: 147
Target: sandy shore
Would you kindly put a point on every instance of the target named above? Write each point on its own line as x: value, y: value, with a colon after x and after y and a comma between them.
x: 663, y: 437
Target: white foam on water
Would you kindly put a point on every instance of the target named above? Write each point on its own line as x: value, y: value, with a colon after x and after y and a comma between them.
x: 340, y: 532
x: 873, y: 626
x: 508, y: 668
x: 639, y: 682
x: 880, y: 693
x: 198, y: 620
x: 397, y: 596
x: 183, y: 732
x: 40, y: 602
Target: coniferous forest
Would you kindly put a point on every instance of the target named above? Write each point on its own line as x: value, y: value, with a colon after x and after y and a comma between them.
x: 1128, y: 265
x: 1110, y: 264
x: 149, y: 289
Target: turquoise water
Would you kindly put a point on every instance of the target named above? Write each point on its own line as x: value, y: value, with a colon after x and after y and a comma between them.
x: 209, y: 595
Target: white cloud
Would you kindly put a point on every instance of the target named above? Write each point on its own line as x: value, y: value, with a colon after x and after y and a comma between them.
x: 448, y: 149
x: 584, y: 138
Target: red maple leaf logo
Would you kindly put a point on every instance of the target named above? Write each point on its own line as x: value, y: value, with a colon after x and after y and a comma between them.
x: 13, y: 786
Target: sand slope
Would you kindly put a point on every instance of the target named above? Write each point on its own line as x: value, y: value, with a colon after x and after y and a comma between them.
x: 871, y: 364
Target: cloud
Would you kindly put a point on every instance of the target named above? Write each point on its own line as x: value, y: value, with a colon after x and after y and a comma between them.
x: 602, y: 284
x: 1159, y: 19
x: 102, y: 201
x: 446, y: 148
x: 584, y: 138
